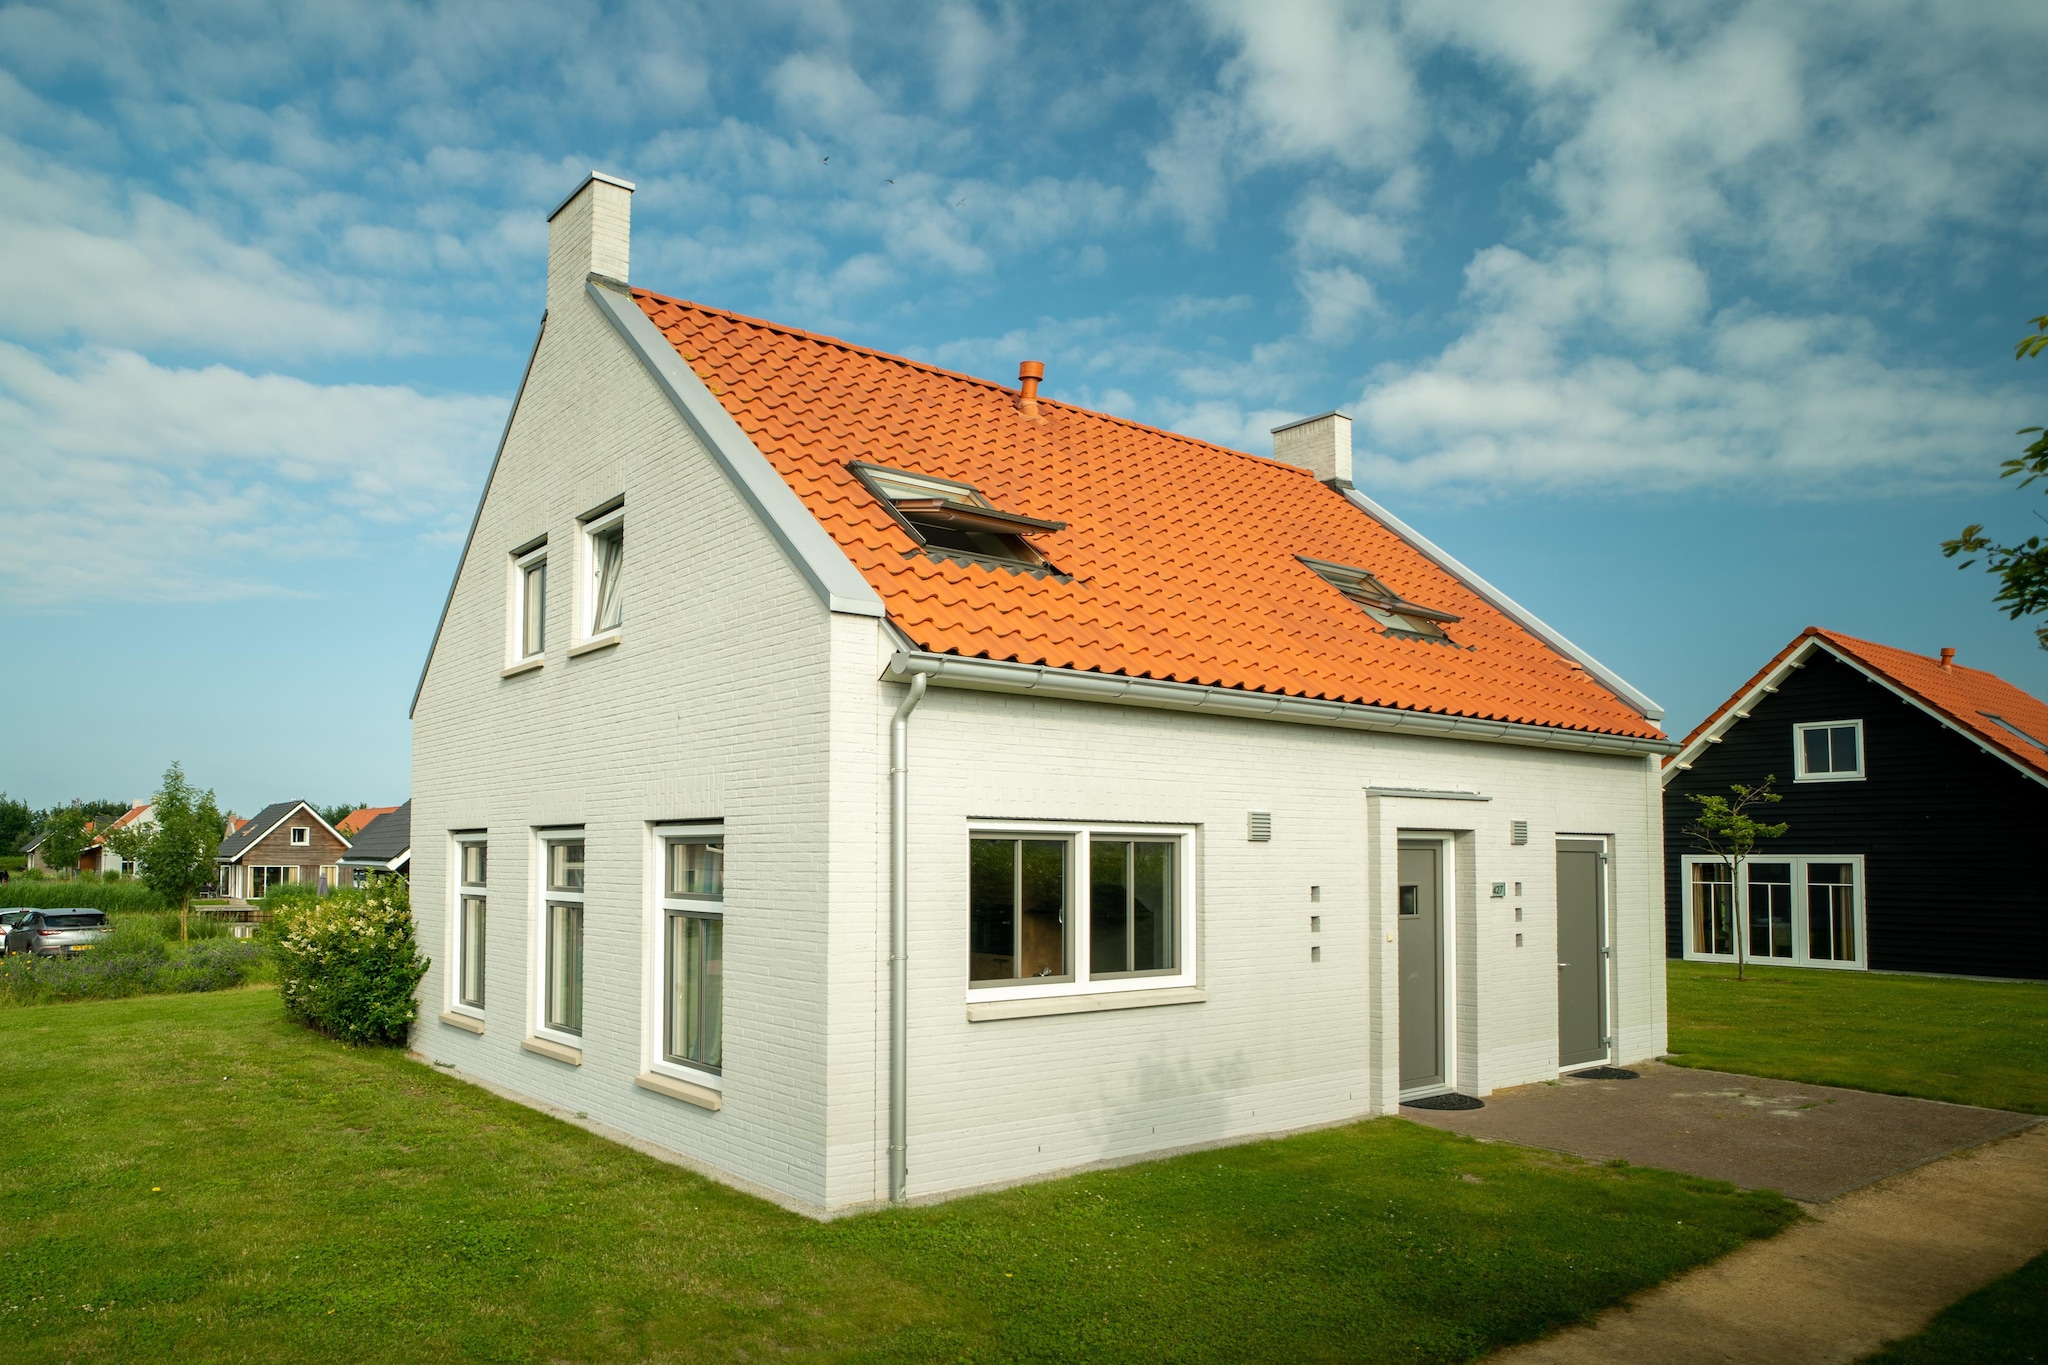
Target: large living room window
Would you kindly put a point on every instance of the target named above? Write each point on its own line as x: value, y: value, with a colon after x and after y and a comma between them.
x: 471, y: 920
x: 693, y: 951
x: 1791, y: 911
x: 562, y: 937
x: 1062, y: 910
x: 261, y: 879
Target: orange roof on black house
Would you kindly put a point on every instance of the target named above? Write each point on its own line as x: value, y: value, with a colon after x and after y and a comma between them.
x: 1171, y: 558
x: 1984, y: 707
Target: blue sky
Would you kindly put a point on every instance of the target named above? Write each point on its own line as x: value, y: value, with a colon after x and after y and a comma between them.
x: 1689, y: 325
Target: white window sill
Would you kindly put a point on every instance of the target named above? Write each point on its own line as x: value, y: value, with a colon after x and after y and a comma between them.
x: 702, y: 1096
x: 541, y: 1047
x: 523, y: 666
x: 980, y: 1011
x: 1829, y: 777
x: 462, y: 1021
x: 594, y: 644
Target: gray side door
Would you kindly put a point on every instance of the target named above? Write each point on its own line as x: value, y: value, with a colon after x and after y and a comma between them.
x: 1421, y: 915
x: 1581, y: 961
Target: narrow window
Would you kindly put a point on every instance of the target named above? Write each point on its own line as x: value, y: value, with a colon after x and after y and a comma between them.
x: 1130, y: 907
x: 1831, y: 912
x: 693, y: 937
x: 564, y: 938
x: 1832, y: 751
x: 607, y: 578
x: 471, y: 928
x: 1017, y: 914
x: 533, y: 606
x: 1713, y: 909
x: 1770, y: 909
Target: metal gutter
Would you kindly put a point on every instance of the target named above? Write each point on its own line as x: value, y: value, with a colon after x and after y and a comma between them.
x: 810, y: 548
x: 992, y: 675
x: 899, y: 941
x: 477, y: 517
x: 1527, y: 619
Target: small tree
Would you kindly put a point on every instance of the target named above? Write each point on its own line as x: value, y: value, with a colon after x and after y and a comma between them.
x: 1726, y: 829
x: 67, y: 834
x: 174, y: 854
x: 2020, y: 567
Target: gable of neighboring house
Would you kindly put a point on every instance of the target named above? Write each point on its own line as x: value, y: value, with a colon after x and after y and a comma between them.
x: 284, y: 842
x: 384, y: 844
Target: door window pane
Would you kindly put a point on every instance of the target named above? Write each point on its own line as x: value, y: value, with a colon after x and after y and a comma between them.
x: 565, y: 865
x: 1770, y: 909
x: 1713, y: 908
x: 696, y: 996
x: 473, y: 951
x: 1831, y: 912
x: 565, y: 967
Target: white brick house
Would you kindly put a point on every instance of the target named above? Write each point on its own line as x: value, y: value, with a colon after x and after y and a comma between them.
x: 1217, y: 774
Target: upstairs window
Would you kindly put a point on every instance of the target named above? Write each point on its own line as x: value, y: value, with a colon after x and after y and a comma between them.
x: 952, y: 520
x: 301, y: 836
x: 1391, y: 612
x: 1831, y: 751
x: 604, y: 555
x: 530, y: 602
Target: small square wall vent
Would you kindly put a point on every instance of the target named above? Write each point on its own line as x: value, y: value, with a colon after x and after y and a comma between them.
x: 1259, y: 828
x: 1519, y: 832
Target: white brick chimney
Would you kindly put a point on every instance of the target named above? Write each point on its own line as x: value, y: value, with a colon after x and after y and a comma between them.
x: 589, y: 234
x: 1321, y: 445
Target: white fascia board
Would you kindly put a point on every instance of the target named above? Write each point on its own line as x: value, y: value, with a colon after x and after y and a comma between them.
x: 1775, y: 679
x: 1520, y: 614
x: 477, y: 517
x: 992, y: 675
x: 811, y: 550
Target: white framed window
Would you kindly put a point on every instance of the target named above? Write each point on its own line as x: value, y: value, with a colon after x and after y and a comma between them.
x: 689, y: 961
x: 1828, y: 751
x: 301, y: 836
x: 1057, y: 909
x: 1792, y: 911
x: 561, y: 937
x: 470, y: 930
x: 526, y: 614
x: 603, y: 609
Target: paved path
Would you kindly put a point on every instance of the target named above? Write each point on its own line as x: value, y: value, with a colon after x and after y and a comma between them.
x: 1867, y: 1268
x: 1810, y: 1142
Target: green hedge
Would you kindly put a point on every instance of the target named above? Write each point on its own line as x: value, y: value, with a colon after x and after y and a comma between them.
x: 85, y: 893
x: 141, y: 957
x: 348, y: 964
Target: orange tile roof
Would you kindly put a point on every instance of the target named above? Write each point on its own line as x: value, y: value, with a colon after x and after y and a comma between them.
x: 1966, y: 696
x: 1180, y: 555
x: 356, y: 819
x: 119, y: 823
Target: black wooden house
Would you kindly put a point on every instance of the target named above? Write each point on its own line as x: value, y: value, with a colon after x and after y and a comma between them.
x: 1916, y: 791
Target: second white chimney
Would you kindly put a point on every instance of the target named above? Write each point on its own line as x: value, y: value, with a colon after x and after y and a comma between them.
x: 1321, y: 445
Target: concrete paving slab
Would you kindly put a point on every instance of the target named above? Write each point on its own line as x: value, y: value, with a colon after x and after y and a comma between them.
x: 1808, y: 1142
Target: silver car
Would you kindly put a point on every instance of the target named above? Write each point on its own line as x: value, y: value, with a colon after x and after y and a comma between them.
x: 8, y: 919
x: 58, y: 933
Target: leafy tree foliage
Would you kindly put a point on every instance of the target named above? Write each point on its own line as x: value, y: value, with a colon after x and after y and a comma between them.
x: 1725, y: 828
x: 2022, y: 566
x: 17, y: 823
x: 174, y: 852
x: 67, y: 833
x: 334, y: 815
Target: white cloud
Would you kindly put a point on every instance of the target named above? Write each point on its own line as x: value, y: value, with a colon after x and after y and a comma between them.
x: 134, y: 481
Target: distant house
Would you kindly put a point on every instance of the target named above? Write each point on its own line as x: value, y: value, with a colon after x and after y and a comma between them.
x: 33, y: 851
x: 353, y: 823
x: 382, y: 847
x: 282, y: 843
x: 100, y: 858
x: 1916, y: 791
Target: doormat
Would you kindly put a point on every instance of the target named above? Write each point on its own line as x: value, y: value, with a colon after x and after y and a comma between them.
x: 1604, y: 1073
x: 1445, y: 1102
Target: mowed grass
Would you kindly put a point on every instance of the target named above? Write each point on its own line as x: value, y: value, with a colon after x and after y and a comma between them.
x: 1967, y: 1042
x: 195, y: 1178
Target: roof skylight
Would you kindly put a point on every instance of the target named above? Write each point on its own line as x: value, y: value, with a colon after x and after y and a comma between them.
x: 2002, y: 723
x: 1393, y: 613
x: 952, y: 520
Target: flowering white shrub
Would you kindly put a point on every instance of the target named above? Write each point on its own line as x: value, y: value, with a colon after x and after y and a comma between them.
x: 348, y: 964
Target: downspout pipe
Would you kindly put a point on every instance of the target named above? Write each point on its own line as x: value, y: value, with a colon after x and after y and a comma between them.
x: 899, y: 941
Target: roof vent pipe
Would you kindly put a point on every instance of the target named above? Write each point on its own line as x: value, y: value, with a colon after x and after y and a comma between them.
x: 1948, y: 655
x: 1321, y: 445
x: 1028, y: 375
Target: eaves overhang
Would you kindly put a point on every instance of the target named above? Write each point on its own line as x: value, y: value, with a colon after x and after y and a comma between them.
x: 997, y: 675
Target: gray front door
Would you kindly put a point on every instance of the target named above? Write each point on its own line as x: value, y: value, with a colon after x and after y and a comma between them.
x: 1421, y: 915
x: 1581, y: 963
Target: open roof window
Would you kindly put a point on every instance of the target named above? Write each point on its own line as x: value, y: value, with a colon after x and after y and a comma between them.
x: 954, y: 521
x: 1393, y: 613
x: 2002, y: 723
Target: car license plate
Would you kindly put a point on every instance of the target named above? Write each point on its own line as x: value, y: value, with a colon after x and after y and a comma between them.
x: 81, y: 947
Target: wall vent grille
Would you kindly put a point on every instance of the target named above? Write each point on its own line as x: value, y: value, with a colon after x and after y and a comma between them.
x: 1519, y: 833
x: 1259, y: 827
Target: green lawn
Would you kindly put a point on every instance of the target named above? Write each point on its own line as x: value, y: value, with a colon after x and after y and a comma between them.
x: 193, y: 1177
x: 1969, y: 1042
x: 2004, y: 1323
